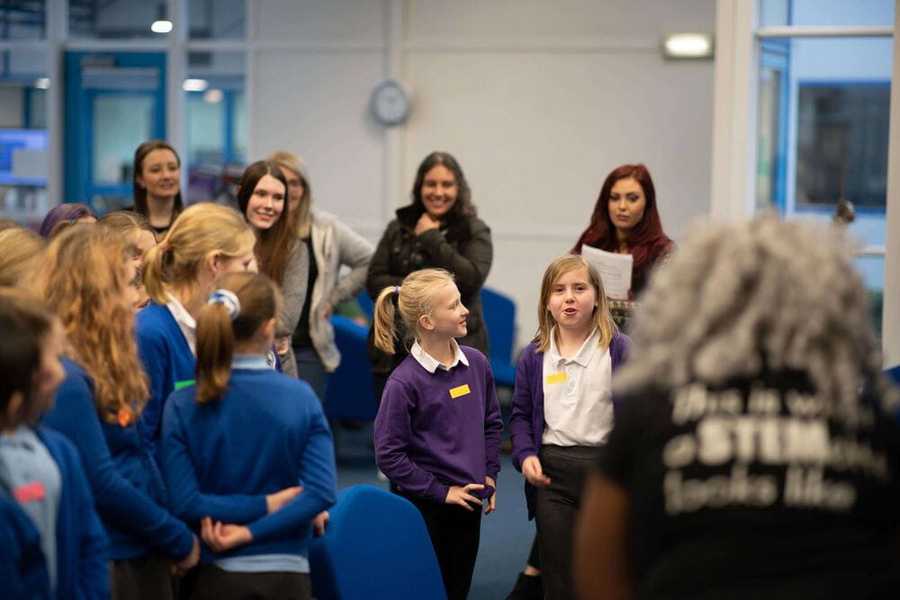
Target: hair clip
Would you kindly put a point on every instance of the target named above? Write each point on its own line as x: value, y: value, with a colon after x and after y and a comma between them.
x: 228, y: 299
x: 397, y: 289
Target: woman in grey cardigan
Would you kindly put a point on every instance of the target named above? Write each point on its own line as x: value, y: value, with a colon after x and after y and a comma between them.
x: 312, y: 288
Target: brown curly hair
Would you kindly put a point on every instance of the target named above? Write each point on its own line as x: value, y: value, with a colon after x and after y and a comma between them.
x: 83, y: 282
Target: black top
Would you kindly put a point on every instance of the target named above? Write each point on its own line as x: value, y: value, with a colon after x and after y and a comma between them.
x: 749, y: 491
x: 462, y: 246
x: 301, y: 338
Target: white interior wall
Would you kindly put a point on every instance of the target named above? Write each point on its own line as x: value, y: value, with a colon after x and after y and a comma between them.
x: 537, y: 100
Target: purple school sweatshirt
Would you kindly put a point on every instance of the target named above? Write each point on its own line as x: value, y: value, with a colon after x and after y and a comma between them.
x: 526, y: 422
x: 426, y: 440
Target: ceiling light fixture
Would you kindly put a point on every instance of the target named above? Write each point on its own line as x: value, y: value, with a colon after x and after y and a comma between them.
x: 195, y: 85
x: 680, y: 46
x: 162, y: 26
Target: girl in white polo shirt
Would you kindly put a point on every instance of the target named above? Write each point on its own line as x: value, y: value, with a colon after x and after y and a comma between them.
x: 562, y: 407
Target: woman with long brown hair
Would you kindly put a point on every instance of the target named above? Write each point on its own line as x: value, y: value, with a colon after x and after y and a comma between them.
x: 315, y: 284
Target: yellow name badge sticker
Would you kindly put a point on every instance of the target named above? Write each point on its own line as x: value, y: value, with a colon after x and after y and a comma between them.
x: 560, y: 377
x: 460, y: 390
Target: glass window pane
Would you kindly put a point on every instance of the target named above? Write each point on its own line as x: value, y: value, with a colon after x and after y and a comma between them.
x: 826, y: 12
x: 24, y: 157
x: 121, y: 123
x: 24, y: 20
x: 822, y: 127
x: 119, y: 19
x: 871, y: 268
x: 216, y: 124
x: 216, y: 19
x: 842, y: 142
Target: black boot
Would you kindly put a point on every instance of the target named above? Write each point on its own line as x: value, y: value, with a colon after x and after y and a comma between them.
x: 528, y: 587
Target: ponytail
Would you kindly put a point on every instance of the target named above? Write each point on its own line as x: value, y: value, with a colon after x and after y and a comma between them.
x: 414, y: 299
x: 215, y: 350
x: 154, y: 272
x: 383, y: 326
x: 235, y: 312
x: 200, y: 231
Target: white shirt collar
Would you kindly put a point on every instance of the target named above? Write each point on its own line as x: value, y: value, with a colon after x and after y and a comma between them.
x: 584, y: 354
x: 256, y: 362
x: 430, y: 364
x: 186, y: 323
x: 180, y: 313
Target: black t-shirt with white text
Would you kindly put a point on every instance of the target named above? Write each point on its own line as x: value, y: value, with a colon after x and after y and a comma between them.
x: 752, y: 490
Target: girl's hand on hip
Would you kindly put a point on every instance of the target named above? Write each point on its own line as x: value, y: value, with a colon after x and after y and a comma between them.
x: 491, y: 505
x: 462, y: 495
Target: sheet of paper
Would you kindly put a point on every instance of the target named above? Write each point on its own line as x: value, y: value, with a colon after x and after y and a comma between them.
x: 614, y: 270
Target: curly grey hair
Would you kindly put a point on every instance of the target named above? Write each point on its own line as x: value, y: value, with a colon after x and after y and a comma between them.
x: 737, y: 299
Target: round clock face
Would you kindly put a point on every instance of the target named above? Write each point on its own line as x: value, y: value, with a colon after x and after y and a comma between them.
x: 390, y: 104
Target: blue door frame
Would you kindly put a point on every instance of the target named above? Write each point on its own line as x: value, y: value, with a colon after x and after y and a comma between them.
x: 79, y: 126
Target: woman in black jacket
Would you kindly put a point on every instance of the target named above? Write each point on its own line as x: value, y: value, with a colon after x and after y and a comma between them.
x: 439, y: 229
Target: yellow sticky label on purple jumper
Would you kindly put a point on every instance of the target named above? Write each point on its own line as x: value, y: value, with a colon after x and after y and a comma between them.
x: 560, y: 377
x: 460, y: 390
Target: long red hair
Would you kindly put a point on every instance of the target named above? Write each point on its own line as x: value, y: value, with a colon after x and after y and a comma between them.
x: 647, y: 234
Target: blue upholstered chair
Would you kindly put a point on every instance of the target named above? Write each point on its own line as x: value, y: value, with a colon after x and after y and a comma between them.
x: 375, y: 546
x: 349, y: 394
x: 500, y: 320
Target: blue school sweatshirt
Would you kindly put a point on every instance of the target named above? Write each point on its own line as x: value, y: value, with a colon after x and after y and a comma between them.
x: 436, y: 430
x: 265, y: 434
x: 23, y: 568
x: 81, y: 545
x: 167, y: 359
x: 124, y: 477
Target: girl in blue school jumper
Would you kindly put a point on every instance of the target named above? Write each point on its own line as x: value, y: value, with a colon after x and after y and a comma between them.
x: 51, y: 542
x: 88, y: 280
x: 562, y: 407
x: 246, y: 429
x: 205, y: 241
x: 437, y: 433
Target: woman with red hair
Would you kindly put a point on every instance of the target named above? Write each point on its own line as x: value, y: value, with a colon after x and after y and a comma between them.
x: 625, y: 220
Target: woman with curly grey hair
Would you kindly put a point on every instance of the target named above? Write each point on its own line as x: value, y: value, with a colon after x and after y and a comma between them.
x: 754, y: 453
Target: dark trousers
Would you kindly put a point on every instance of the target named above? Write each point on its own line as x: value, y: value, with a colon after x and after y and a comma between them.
x: 555, y: 511
x: 455, y: 534
x: 147, y: 577
x: 212, y: 583
x: 311, y: 370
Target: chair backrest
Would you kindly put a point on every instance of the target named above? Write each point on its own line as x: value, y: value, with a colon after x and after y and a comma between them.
x: 350, y: 393
x: 500, y: 319
x: 375, y: 546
